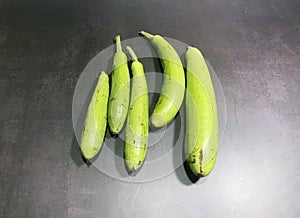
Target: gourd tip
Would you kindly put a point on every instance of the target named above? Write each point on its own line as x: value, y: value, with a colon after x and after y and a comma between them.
x: 132, y: 54
x: 118, y: 38
x: 147, y: 35
x: 118, y: 43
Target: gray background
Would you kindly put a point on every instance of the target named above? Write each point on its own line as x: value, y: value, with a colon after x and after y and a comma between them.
x: 254, y: 49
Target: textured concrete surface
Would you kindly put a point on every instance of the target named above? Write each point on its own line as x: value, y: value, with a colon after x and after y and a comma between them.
x: 252, y: 45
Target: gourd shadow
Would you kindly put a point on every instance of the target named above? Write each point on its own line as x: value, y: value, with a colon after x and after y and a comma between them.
x: 76, y: 155
x: 118, y: 147
x: 154, y: 80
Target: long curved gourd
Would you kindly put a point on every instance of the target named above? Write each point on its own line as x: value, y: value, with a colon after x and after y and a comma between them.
x: 172, y: 92
x: 201, y: 140
x: 136, y: 137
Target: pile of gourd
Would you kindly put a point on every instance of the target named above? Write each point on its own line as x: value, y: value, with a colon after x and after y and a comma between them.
x: 117, y: 106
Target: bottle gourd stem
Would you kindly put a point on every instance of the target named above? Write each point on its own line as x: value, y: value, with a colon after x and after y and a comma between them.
x: 132, y: 54
x: 118, y: 43
x: 147, y: 35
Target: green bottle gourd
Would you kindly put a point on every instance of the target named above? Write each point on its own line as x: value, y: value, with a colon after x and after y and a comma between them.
x: 136, y: 137
x: 96, y: 118
x: 201, y: 140
x: 120, y: 90
x: 172, y: 92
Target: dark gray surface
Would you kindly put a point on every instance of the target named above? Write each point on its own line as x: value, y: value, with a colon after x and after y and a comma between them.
x: 254, y: 49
